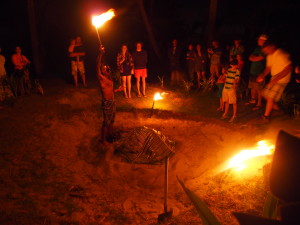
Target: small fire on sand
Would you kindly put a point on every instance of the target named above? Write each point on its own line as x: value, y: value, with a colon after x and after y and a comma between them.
x: 251, y: 160
x: 157, y: 96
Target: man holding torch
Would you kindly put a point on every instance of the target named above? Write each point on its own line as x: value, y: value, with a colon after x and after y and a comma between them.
x: 105, y: 82
x: 108, y: 102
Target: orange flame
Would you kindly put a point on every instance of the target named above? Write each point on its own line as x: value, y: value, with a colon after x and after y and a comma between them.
x: 158, y: 96
x: 98, y: 21
x: 239, y: 161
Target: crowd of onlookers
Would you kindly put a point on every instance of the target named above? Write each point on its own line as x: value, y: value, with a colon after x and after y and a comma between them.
x: 213, y: 66
x: 225, y: 69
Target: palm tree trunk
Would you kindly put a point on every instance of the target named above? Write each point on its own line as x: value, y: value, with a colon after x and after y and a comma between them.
x: 149, y: 29
x: 212, y: 20
x: 34, y: 37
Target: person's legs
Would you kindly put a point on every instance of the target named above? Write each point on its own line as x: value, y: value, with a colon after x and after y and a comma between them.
x: 226, y: 109
x: 176, y: 75
x: 111, y: 129
x: 212, y: 73
x: 74, y: 72
x: 138, y: 85
x: 221, y: 105
x: 191, y: 72
x: 20, y: 86
x: 104, y: 132
x: 27, y: 82
x: 234, y: 113
x: 259, y: 98
x: 144, y: 85
x: 82, y: 72
x: 217, y: 71
x: 172, y: 78
x: 128, y: 80
x: 124, y: 86
x: 269, y: 107
x: 234, y: 109
x: 83, y: 79
x: 76, y: 80
x: 198, y: 79
x: 253, y: 95
x: 203, y: 75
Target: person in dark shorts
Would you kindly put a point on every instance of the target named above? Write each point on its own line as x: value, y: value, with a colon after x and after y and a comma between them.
x: 258, y: 64
x: 200, y: 61
x: 174, y: 62
x: 190, y: 62
x: 215, y: 55
x: 125, y: 66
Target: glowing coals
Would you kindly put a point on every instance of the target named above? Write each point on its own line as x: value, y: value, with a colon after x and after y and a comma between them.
x: 239, y: 161
x: 98, y: 21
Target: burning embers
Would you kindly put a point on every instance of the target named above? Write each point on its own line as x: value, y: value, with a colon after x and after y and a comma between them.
x: 250, y: 160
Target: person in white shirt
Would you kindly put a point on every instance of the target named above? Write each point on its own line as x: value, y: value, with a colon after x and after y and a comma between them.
x: 279, y: 66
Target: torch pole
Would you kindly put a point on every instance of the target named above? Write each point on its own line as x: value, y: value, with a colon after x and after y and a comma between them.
x: 98, y: 36
x: 152, y: 108
x: 166, y: 185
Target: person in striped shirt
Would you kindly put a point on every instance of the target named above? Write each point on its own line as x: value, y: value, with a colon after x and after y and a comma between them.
x: 229, y: 90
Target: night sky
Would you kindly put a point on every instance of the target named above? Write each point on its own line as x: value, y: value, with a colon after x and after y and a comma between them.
x: 60, y: 20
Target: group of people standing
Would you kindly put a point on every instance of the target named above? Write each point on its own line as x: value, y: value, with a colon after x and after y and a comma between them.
x: 133, y: 64
x: 226, y: 71
x: 128, y: 64
x: 19, y: 82
x: 198, y: 60
x: 267, y: 58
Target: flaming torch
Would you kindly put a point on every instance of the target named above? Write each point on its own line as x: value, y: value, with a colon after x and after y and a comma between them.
x: 99, y: 20
x: 250, y: 159
x: 157, y: 96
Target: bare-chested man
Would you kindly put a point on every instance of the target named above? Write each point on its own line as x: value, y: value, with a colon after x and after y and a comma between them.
x: 108, y: 102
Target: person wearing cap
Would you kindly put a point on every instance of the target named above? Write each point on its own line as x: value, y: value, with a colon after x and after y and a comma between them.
x: 258, y: 63
x: 229, y: 90
x: 279, y: 66
x: 215, y: 55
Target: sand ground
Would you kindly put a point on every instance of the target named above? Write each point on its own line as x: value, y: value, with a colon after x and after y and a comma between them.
x: 53, y: 169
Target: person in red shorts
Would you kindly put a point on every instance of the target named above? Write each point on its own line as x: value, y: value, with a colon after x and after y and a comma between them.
x: 140, y: 59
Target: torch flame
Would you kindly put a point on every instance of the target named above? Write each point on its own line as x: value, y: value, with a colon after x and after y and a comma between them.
x: 158, y: 96
x: 238, y: 162
x: 98, y: 21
